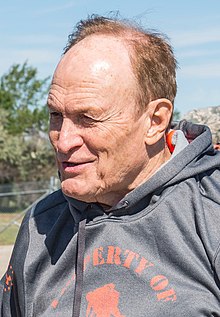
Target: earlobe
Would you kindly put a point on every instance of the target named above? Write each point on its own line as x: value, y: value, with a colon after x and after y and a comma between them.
x: 160, y: 112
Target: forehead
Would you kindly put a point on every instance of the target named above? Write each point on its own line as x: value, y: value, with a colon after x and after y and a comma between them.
x: 97, y: 57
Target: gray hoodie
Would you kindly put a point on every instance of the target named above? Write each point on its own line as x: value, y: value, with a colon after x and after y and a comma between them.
x: 156, y: 253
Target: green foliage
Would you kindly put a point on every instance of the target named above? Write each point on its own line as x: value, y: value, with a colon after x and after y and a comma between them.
x: 25, y: 152
x: 25, y: 157
x: 21, y: 95
x: 176, y: 115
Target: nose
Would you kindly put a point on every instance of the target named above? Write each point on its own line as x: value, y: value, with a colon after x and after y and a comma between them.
x: 69, y: 137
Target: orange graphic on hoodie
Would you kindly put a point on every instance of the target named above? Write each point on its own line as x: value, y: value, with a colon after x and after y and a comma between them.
x: 9, y: 279
x: 103, y: 302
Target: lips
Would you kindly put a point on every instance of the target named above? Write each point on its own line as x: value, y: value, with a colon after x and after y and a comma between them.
x: 74, y: 167
x: 70, y: 164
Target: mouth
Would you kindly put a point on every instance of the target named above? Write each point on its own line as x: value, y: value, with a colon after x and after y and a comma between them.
x: 74, y: 167
x: 70, y: 164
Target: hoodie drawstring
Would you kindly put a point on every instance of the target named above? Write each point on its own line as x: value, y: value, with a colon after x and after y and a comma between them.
x: 81, y: 239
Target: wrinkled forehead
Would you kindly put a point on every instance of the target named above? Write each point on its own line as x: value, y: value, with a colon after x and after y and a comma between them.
x: 97, y: 56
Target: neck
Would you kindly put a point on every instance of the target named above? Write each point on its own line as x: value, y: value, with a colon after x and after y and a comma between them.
x: 156, y: 160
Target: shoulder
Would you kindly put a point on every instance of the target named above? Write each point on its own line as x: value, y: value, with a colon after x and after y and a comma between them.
x: 209, y: 184
x: 209, y: 187
x: 208, y: 214
x: 46, y: 213
x: 55, y: 201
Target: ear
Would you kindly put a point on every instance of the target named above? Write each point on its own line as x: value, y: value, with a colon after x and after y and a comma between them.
x: 159, y: 113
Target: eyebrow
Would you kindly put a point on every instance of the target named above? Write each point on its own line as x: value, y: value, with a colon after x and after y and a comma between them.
x: 53, y: 102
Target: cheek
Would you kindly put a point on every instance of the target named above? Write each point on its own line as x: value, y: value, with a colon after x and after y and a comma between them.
x: 53, y: 136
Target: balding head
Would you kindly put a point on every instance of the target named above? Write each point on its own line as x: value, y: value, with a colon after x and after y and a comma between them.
x: 100, y: 60
x: 152, y: 59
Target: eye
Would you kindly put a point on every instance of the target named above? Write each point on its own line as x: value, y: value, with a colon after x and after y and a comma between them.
x: 86, y: 120
x: 56, y: 119
x: 55, y: 114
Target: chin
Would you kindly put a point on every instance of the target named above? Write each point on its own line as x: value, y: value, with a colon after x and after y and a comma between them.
x: 77, y: 190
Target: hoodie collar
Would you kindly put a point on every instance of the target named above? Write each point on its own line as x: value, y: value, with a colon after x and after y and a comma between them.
x: 81, y: 210
x: 200, y: 140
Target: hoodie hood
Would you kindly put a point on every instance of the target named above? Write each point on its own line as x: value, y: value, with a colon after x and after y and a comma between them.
x: 191, y: 155
x: 189, y: 159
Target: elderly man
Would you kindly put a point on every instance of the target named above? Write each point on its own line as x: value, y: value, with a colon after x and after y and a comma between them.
x: 134, y: 230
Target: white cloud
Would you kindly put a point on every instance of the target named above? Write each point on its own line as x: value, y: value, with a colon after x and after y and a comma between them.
x: 197, y: 52
x: 44, y: 60
x: 190, y: 38
x: 36, y: 55
x: 211, y: 70
x: 36, y: 39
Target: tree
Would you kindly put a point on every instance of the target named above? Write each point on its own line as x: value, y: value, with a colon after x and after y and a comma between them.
x: 25, y: 152
x: 22, y: 95
x: 176, y: 115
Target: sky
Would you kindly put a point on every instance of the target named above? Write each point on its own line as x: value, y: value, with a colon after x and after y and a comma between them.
x: 37, y: 32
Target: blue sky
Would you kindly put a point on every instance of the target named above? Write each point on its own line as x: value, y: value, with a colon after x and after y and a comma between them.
x: 37, y: 31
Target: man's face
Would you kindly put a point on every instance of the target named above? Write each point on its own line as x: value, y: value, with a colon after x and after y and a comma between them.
x: 94, y: 127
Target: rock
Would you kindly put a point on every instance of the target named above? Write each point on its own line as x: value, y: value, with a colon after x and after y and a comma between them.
x: 209, y: 116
